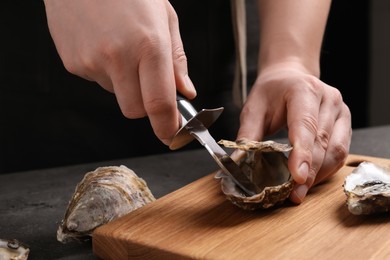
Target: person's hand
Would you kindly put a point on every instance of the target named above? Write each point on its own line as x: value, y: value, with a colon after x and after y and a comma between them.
x: 317, y: 119
x: 131, y: 48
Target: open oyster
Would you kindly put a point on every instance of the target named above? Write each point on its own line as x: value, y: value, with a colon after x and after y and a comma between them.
x: 102, y: 196
x: 265, y: 163
x: 368, y: 189
x: 13, y: 249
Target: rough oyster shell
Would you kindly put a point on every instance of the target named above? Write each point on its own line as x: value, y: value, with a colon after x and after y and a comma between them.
x: 368, y: 189
x: 102, y: 196
x: 265, y: 163
x: 13, y: 249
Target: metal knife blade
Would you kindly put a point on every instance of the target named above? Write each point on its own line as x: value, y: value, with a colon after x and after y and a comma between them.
x: 197, y: 130
x: 194, y: 125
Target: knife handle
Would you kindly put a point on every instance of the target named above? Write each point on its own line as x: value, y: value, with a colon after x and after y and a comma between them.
x: 185, y: 108
x: 206, y: 116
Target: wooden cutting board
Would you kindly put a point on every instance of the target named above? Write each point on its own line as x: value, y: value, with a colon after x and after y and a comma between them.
x: 197, y: 222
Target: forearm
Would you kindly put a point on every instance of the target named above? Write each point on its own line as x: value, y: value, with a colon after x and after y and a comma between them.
x: 291, y: 31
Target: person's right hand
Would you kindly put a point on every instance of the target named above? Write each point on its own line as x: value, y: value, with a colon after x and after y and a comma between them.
x: 131, y: 48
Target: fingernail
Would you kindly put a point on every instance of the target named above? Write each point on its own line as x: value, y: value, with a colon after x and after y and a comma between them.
x: 301, y: 191
x: 189, y: 85
x: 303, y: 171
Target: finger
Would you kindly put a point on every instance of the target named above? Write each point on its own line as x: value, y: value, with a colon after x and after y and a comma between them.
x: 106, y: 84
x: 338, y: 148
x: 158, y: 90
x: 250, y: 129
x: 299, y: 191
x: 128, y: 93
x: 334, y: 157
x: 183, y: 82
x: 333, y: 111
x: 334, y: 160
x: 327, y: 115
x: 104, y: 81
x: 252, y: 119
x: 302, y: 121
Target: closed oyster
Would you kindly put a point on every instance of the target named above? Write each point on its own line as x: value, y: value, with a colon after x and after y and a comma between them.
x: 265, y: 164
x: 102, y: 196
x: 368, y: 189
x: 13, y: 249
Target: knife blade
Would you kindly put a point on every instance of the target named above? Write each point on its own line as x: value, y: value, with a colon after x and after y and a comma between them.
x: 194, y: 127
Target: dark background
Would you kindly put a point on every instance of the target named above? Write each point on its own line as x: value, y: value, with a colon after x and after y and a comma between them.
x: 346, y: 58
x: 51, y: 118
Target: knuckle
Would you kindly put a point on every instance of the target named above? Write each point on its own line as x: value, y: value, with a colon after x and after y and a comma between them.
x: 164, y: 134
x: 158, y: 106
x: 131, y: 114
x: 110, y: 50
x: 178, y: 54
x: 247, y: 112
x: 322, y: 138
x: 313, y: 87
x: 347, y: 113
x: 162, y: 109
x: 339, y: 153
x: 83, y: 67
x: 336, y: 96
x: 106, y: 50
x: 310, y: 81
x: 152, y: 46
x: 71, y: 63
x: 71, y: 66
x: 310, y: 123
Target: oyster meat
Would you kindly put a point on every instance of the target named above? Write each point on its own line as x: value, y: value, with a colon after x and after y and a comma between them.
x: 265, y: 164
x: 102, y: 196
x: 13, y: 249
x: 368, y: 189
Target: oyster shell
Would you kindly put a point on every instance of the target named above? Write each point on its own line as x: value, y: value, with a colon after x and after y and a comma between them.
x: 265, y: 163
x: 102, y: 196
x: 368, y: 189
x: 13, y: 249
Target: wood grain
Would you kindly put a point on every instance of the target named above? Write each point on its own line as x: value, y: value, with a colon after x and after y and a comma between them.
x: 197, y: 222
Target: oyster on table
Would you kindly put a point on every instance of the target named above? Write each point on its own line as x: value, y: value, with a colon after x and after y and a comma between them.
x: 102, y: 196
x: 368, y: 189
x: 265, y: 164
x: 13, y: 249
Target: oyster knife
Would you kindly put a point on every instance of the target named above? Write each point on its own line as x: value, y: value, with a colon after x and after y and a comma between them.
x: 194, y: 127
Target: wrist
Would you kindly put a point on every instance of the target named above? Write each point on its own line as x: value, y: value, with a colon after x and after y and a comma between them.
x: 294, y: 62
x: 290, y: 64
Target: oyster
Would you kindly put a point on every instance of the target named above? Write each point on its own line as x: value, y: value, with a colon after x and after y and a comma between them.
x: 368, y: 189
x: 102, y: 196
x: 13, y: 249
x: 265, y: 164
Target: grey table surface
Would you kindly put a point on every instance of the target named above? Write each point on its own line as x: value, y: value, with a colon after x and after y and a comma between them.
x: 33, y: 202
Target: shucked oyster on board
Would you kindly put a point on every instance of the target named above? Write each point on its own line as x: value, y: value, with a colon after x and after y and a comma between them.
x: 102, y: 196
x: 265, y: 164
x: 368, y: 189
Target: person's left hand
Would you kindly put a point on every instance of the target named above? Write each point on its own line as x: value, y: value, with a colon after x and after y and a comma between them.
x: 317, y: 119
